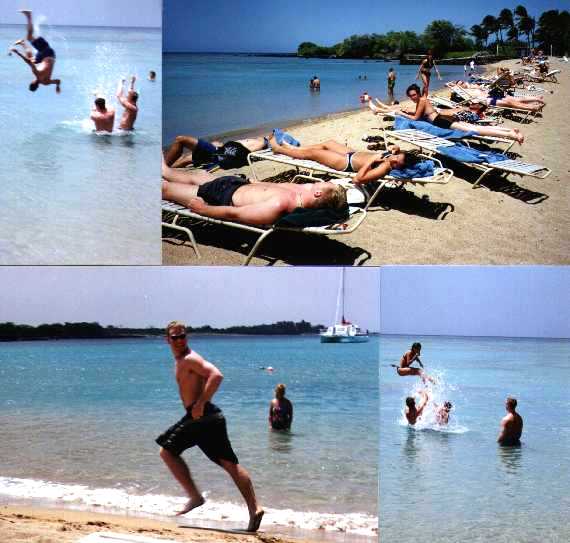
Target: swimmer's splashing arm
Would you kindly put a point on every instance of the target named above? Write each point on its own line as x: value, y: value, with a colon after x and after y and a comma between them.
x: 133, y: 80
x: 120, y: 89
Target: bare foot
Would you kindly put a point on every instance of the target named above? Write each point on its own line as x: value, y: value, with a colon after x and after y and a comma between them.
x: 518, y: 136
x: 191, y: 504
x: 26, y: 12
x: 18, y: 42
x: 255, y: 521
x: 57, y: 89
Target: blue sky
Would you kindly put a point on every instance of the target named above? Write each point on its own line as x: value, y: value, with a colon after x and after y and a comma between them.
x: 514, y: 301
x: 125, y: 13
x: 143, y: 296
x: 254, y: 26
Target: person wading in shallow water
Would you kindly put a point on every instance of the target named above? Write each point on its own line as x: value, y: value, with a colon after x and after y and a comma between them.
x: 511, y: 425
x: 280, y: 410
x: 203, y: 425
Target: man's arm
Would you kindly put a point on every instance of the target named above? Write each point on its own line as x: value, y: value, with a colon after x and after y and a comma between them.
x: 211, y: 374
x: 423, y: 403
x: 366, y: 174
x: 133, y: 79
x: 254, y: 214
x: 503, y: 430
x: 27, y: 61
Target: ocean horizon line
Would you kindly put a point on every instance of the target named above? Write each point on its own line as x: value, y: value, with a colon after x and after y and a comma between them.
x: 88, y: 26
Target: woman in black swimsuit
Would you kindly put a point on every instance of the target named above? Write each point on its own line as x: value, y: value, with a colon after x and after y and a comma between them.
x: 425, y: 71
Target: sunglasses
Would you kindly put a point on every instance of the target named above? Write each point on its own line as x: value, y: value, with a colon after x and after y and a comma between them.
x: 179, y: 336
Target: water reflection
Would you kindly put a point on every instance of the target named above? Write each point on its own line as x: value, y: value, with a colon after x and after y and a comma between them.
x: 511, y: 458
x: 281, y: 440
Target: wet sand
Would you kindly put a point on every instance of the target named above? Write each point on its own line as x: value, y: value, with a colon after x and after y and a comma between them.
x: 521, y: 220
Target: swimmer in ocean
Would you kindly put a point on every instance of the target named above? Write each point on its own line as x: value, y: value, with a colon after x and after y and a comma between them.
x: 413, y: 411
x: 442, y: 413
x: 44, y: 60
x: 408, y: 358
x: 102, y: 116
x: 511, y: 425
x: 129, y: 102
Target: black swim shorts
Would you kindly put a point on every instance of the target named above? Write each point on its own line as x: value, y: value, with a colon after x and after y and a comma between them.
x: 209, y: 433
x: 442, y: 122
x: 232, y: 155
x: 220, y: 191
x: 43, y: 49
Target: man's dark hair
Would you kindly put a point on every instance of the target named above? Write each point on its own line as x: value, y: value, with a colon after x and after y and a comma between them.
x: 34, y: 86
x: 100, y: 102
x: 412, y: 87
x: 448, y: 405
x: 512, y: 402
x: 416, y: 345
x: 134, y: 96
x: 411, y: 158
x: 152, y: 73
x: 410, y: 402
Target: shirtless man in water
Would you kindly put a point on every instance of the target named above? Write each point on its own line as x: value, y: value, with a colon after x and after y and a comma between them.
x: 43, y: 62
x: 511, y: 425
x: 408, y: 358
x: 129, y: 103
x: 413, y: 412
x: 234, y: 198
x: 203, y: 425
x: 103, y: 117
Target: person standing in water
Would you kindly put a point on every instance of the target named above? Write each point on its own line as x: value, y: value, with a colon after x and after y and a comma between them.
x: 413, y: 411
x: 43, y: 62
x: 511, y: 425
x: 425, y: 71
x: 103, y: 117
x: 129, y: 103
x: 280, y: 410
x: 203, y: 425
x: 391, y: 86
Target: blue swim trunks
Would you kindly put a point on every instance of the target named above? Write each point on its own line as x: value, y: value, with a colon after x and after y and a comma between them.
x: 43, y: 49
x: 204, y: 153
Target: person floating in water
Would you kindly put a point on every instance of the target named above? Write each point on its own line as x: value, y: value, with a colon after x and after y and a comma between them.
x: 152, y: 75
x: 129, y: 103
x: 280, y: 410
x: 408, y: 358
x: 413, y: 411
x: 102, y: 116
x: 511, y: 425
x: 442, y: 413
x: 43, y: 62
x: 203, y: 425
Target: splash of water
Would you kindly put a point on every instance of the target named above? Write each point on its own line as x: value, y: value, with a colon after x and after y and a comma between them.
x: 438, y: 393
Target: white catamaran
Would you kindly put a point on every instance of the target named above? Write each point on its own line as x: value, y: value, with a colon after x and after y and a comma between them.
x: 343, y: 331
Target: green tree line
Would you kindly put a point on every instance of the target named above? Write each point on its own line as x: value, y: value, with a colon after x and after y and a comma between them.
x: 511, y: 30
x: 10, y: 331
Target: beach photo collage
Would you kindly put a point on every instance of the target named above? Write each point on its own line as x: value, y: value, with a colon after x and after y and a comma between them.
x: 292, y: 273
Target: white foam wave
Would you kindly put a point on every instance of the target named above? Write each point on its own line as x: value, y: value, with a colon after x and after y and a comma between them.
x: 121, y: 501
x: 85, y: 126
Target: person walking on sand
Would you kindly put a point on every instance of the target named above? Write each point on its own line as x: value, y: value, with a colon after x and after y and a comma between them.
x: 511, y: 425
x: 43, y: 62
x: 425, y: 71
x: 129, y: 103
x: 280, y: 410
x: 391, y: 86
x: 203, y: 425
x: 103, y: 117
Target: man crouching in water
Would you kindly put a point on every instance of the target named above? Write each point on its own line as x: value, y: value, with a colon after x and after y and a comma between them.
x: 43, y: 62
x: 511, y: 425
x: 103, y: 117
x: 203, y: 425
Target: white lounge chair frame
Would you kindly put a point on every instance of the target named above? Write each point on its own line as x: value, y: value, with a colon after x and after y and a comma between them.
x: 429, y: 144
x: 357, y: 216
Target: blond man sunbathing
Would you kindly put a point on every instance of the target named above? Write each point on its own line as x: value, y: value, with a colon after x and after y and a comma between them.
x: 233, y: 198
x: 368, y: 165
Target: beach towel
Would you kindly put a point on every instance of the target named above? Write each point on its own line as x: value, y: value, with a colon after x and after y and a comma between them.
x: 425, y: 168
x: 463, y: 153
x: 301, y: 217
x: 401, y: 123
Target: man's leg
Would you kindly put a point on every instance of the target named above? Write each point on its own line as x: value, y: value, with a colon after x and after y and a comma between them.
x: 321, y: 153
x: 181, y: 473
x: 28, y: 14
x: 253, y: 144
x: 242, y: 480
x: 180, y: 143
x: 196, y: 177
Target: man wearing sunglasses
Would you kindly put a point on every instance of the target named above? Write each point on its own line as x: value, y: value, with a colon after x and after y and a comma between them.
x: 203, y: 425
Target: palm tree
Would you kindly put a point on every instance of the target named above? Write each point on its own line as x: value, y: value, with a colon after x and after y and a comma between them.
x: 506, y: 22
x: 523, y: 22
x: 490, y: 24
x: 480, y: 34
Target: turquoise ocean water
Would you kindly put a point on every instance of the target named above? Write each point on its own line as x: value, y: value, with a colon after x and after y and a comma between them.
x: 83, y: 416
x: 211, y: 94
x: 69, y: 196
x: 455, y: 484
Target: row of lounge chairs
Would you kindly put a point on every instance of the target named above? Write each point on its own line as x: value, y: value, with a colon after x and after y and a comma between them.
x: 361, y: 198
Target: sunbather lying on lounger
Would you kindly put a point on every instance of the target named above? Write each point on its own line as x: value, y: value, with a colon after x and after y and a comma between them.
x: 234, y: 198
x: 499, y: 98
x: 369, y: 166
x: 232, y: 154
x: 426, y: 112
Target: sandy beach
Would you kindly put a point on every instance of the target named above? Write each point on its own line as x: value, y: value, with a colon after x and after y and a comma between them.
x: 518, y: 221
x: 19, y: 524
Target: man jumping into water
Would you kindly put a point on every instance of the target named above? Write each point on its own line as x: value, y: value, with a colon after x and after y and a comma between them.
x: 413, y: 412
x: 42, y: 64
x: 203, y: 425
x: 511, y: 425
x: 408, y: 358
x: 129, y: 103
